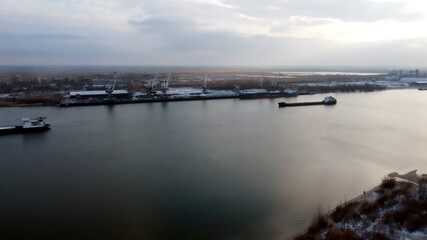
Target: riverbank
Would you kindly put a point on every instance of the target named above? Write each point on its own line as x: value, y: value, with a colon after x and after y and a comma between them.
x: 396, y: 209
x: 29, y: 100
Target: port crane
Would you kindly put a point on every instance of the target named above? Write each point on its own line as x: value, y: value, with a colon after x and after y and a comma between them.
x: 262, y: 79
x: 164, y: 85
x: 273, y: 84
x: 204, y: 87
x: 150, y: 85
x: 236, y: 88
x: 112, y: 84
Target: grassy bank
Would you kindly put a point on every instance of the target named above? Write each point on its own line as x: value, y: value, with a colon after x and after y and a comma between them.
x: 397, y: 209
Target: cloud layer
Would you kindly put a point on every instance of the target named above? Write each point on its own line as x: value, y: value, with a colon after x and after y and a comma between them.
x: 213, y: 32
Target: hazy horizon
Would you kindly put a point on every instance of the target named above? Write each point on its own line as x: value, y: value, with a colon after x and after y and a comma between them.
x: 226, y: 67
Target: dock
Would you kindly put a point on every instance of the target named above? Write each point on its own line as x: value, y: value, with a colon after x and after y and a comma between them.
x: 144, y: 100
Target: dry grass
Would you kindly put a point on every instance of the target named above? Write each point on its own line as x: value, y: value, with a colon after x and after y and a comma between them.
x: 411, y: 215
x: 319, y: 223
x: 344, y: 212
x: 403, y: 210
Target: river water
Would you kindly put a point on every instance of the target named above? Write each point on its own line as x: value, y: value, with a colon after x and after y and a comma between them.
x: 219, y: 169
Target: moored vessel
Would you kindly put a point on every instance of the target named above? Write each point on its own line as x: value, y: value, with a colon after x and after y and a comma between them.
x: 28, y: 125
x: 326, y: 101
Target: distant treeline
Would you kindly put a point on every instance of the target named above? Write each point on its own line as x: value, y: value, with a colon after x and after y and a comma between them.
x: 24, y: 99
x: 281, y: 84
x: 343, y: 88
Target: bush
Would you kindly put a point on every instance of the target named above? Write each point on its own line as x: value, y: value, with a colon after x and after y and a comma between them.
x: 380, y: 191
x: 305, y: 237
x: 344, y: 211
x: 379, y: 236
x: 370, y: 210
x: 396, y: 218
x: 388, y: 183
x: 401, y: 192
x: 380, y: 202
x: 423, y: 187
x: 342, y: 235
x: 319, y: 224
x: 416, y: 222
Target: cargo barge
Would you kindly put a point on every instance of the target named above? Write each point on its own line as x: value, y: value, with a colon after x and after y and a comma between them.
x: 327, y: 101
x: 28, y: 125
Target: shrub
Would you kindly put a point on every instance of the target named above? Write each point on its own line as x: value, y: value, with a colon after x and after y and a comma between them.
x: 318, y: 224
x: 379, y: 236
x: 400, y: 192
x: 388, y: 183
x: 344, y: 211
x: 396, y: 218
x: 369, y: 209
x: 380, y: 202
x: 380, y: 191
x: 305, y: 237
x: 342, y: 235
x: 416, y: 222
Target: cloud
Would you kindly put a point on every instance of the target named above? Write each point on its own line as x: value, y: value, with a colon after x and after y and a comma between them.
x: 217, y: 32
x: 49, y: 49
x: 346, y: 10
x: 218, y: 3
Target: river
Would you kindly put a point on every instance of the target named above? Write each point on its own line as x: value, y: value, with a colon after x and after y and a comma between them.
x: 218, y: 169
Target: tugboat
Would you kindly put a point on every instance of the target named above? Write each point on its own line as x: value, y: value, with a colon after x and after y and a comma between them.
x: 326, y: 101
x: 28, y: 125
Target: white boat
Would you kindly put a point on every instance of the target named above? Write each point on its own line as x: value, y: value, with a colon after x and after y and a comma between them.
x: 28, y: 125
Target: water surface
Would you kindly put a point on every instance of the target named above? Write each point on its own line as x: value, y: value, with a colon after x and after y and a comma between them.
x: 219, y: 169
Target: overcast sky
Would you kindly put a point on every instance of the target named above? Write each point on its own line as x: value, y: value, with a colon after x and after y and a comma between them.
x: 214, y: 32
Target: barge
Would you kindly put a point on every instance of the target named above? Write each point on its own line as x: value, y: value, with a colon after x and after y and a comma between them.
x: 327, y: 101
x: 28, y: 125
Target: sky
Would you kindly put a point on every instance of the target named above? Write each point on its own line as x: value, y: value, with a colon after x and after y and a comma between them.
x: 214, y: 32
